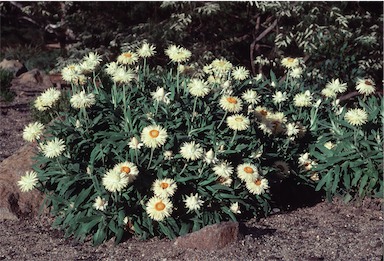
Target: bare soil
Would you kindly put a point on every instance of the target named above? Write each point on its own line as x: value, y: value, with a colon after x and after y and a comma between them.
x: 324, y: 231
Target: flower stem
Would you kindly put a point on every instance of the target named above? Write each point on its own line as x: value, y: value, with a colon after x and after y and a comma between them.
x: 185, y: 166
x: 194, y: 109
x: 234, y: 135
x: 150, y: 158
x: 222, y: 120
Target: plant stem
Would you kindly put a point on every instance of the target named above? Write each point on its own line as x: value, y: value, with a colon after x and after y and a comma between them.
x: 234, y: 135
x: 150, y: 158
x: 185, y: 166
x: 194, y: 109
x: 221, y: 122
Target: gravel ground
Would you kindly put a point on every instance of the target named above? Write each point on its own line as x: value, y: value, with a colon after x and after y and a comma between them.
x: 326, y: 231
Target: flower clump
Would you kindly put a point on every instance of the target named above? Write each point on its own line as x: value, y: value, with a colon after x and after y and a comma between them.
x: 164, y: 152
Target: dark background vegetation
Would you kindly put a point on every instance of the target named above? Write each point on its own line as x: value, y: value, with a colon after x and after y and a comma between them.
x: 230, y: 31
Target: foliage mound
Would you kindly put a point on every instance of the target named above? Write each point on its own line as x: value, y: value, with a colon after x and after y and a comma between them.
x: 162, y: 143
x: 163, y: 152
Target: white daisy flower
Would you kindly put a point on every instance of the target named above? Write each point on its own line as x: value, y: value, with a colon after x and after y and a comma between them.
x: 193, y: 202
x: 158, y: 209
x: 191, y: 151
x: 28, y: 181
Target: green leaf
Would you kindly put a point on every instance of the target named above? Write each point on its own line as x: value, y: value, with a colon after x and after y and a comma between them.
x: 325, y: 179
x: 362, y: 185
x: 100, y: 235
x: 336, y: 179
x: 185, y: 227
x: 85, y: 193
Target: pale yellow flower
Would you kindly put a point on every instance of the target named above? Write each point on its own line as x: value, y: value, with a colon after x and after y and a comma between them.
x: 251, y: 96
x: 135, y: 144
x: 329, y: 145
x: 115, y: 180
x: 127, y: 168
x: 225, y: 181
x: 71, y: 73
x: 164, y: 188
x: 128, y: 58
x: 261, y: 112
x: 279, y: 97
x: 238, y: 122
x: 158, y: 209
x: 305, y: 162
x: 221, y: 66
x: 90, y: 62
x: 191, y: 151
x: 168, y: 155
x: 154, y: 136
x: 247, y: 172
x: 49, y: 97
x: 365, y: 86
x: 289, y: 62
x: 100, y: 204
x: 28, y: 181
x: 303, y: 99
x: 33, y: 131
x: 160, y: 96
x: 240, y: 73
x: 356, y: 117
x: 223, y: 169
x: 121, y: 75
x: 235, y: 208
x: 193, y: 202
x: 257, y: 186
x: 53, y: 148
x: 336, y: 86
x: 292, y: 129
x: 82, y: 100
x: 178, y: 54
x: 146, y: 50
x: 198, y: 88
x: 329, y: 93
x: 111, y: 68
x: 210, y: 157
x: 296, y: 72
x: 231, y: 103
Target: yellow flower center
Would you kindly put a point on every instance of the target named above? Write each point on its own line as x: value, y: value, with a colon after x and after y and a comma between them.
x: 291, y: 60
x: 239, y: 119
x: 258, y: 182
x: 248, y: 170
x: 232, y: 100
x: 164, y: 185
x: 264, y: 112
x: 125, y: 169
x: 160, y: 206
x: 154, y: 133
x: 127, y: 55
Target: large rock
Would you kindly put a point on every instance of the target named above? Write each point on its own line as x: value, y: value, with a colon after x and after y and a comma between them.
x: 33, y: 78
x: 14, y: 203
x: 13, y: 66
x: 211, y: 237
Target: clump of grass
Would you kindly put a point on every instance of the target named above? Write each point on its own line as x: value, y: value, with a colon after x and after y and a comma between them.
x: 5, y: 86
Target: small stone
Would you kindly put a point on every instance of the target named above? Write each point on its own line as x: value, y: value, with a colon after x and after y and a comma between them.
x: 212, y: 237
